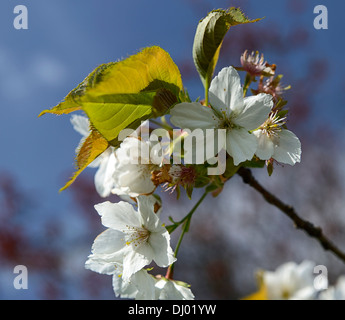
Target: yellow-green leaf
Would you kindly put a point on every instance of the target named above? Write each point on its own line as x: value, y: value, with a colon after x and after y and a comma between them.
x: 149, y: 80
x: 119, y: 95
x: 149, y: 70
x: 112, y: 113
x: 142, y: 85
x: 70, y: 103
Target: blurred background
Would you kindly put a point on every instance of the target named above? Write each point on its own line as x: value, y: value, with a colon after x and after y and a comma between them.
x: 231, y: 236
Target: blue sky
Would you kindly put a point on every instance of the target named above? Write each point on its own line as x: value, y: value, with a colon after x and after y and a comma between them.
x: 67, y: 39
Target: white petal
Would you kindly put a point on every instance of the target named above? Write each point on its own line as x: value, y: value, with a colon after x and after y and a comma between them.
x: 100, y: 265
x: 306, y: 293
x: 137, y: 177
x: 291, y: 281
x: 339, y: 289
x: 255, y: 112
x: 145, y: 284
x: 185, y: 292
x: 167, y: 290
x: 304, y: 274
x: 118, y: 216
x: 265, y: 145
x: 163, y: 253
x: 81, y: 124
x: 133, y: 262
x: 133, y: 151
x: 146, y: 209
x: 226, y: 93
x: 104, y: 263
x: 104, y: 181
x: 170, y: 290
x: 329, y: 294
x: 288, y: 149
x: 124, y: 289
x: 193, y: 116
x: 241, y: 145
x: 108, y: 242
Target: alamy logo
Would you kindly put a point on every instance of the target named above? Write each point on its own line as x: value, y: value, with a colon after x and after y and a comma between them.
x: 21, y: 280
x: 321, y: 20
x: 21, y: 20
x: 199, y: 146
x: 321, y: 280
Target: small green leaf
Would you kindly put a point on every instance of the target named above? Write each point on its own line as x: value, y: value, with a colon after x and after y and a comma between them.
x: 189, y: 191
x: 171, y: 228
x: 270, y: 167
x: 209, y: 38
x: 254, y: 163
x: 282, y: 113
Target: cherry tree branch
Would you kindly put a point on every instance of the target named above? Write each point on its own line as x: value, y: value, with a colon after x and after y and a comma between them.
x: 309, y: 228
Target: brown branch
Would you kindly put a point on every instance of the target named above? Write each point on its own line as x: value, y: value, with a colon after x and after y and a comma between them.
x: 309, y: 228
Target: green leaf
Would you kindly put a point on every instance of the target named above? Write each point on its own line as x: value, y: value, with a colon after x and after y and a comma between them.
x: 171, y: 228
x: 117, y: 85
x: 120, y: 95
x: 209, y: 38
x: 282, y: 113
x: 112, y: 113
x: 72, y: 100
x: 189, y: 191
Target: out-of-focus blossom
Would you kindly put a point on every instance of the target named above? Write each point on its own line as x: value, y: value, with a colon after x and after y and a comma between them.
x: 336, y: 292
x: 290, y: 281
x: 272, y: 86
x: 255, y: 64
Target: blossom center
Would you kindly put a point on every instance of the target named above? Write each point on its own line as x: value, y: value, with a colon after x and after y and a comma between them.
x: 273, y: 125
x: 136, y: 235
x: 226, y: 122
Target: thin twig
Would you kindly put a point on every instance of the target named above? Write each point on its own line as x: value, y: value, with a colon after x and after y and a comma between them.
x: 309, y: 228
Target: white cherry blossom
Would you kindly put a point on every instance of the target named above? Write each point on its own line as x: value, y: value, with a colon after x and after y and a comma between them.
x: 138, y: 235
x: 290, y: 281
x: 134, y: 166
x: 276, y: 142
x: 107, y: 258
x: 336, y: 292
x: 229, y: 111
